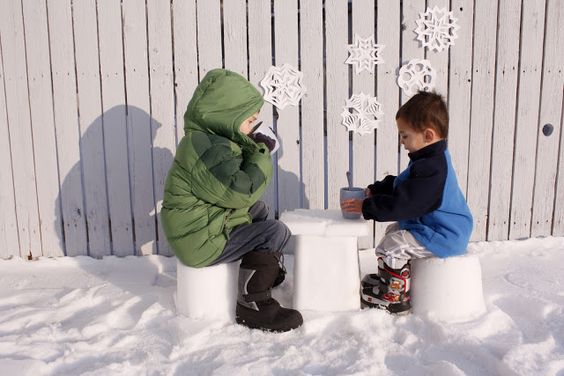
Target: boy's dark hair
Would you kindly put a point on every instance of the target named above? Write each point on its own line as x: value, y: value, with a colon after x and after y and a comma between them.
x: 426, y: 110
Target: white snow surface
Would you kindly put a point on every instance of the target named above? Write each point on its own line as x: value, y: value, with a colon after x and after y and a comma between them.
x: 116, y: 316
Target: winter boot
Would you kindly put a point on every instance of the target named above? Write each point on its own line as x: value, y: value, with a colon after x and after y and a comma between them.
x: 392, y: 290
x: 256, y: 308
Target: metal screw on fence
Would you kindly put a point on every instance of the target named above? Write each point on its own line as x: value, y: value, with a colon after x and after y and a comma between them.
x: 547, y: 129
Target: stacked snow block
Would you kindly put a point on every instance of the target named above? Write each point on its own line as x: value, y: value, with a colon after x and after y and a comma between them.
x: 448, y: 289
x: 209, y: 292
x: 326, y: 266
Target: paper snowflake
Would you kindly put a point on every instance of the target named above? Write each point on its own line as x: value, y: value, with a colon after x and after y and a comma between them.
x: 416, y: 75
x: 283, y: 86
x: 436, y: 28
x: 366, y: 114
x: 364, y: 53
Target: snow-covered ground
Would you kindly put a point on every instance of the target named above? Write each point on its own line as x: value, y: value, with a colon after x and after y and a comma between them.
x: 71, y: 316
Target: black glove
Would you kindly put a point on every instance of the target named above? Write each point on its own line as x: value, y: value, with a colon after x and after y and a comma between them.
x: 260, y: 137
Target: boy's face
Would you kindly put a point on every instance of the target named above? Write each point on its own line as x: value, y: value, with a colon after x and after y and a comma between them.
x: 247, y: 124
x: 411, y: 139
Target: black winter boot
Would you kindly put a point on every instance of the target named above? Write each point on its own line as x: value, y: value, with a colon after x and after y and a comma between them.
x: 281, y: 270
x: 256, y: 309
x: 391, y: 292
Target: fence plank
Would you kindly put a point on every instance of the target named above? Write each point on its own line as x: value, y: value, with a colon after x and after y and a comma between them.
x: 290, y: 188
x: 312, y: 104
x: 410, y: 49
x: 91, y: 132
x: 260, y: 59
x: 139, y: 131
x: 558, y: 213
x: 527, y: 118
x: 66, y: 123
x: 209, y: 35
x: 481, y: 115
x: 460, y: 89
x: 550, y: 113
x: 162, y: 101
x: 504, y: 119
x: 185, y: 58
x: 336, y: 36
x: 388, y: 34
x: 439, y: 60
x: 43, y: 127
x: 235, y: 36
x: 115, y: 128
x: 9, y: 243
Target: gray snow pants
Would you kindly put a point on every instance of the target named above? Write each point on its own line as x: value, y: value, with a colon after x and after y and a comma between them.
x: 263, y: 235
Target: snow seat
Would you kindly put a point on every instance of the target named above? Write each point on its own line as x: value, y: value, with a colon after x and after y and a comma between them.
x: 448, y: 289
x: 209, y: 292
x: 326, y: 265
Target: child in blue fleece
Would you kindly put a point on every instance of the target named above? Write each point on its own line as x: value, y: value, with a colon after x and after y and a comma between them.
x: 431, y: 214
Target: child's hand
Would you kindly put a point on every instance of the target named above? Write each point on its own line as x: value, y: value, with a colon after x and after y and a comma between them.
x: 352, y: 206
x: 367, y: 192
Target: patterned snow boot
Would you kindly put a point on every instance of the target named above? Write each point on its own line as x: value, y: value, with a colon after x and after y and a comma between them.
x: 389, y: 290
x: 281, y: 270
x: 256, y: 308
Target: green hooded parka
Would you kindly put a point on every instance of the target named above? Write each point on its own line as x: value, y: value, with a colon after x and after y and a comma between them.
x: 218, y: 172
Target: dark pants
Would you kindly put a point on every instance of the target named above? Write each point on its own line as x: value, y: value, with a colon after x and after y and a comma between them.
x: 263, y: 235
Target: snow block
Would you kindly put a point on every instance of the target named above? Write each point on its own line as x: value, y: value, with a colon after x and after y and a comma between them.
x: 209, y: 292
x: 448, y: 289
x: 326, y: 267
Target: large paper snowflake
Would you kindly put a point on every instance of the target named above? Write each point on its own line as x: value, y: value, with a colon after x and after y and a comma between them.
x: 364, y: 53
x: 366, y: 114
x: 283, y: 86
x: 416, y: 75
x: 436, y: 28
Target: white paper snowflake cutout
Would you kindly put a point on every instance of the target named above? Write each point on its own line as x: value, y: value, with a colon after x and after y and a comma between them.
x: 283, y: 86
x: 366, y: 115
x: 364, y: 54
x: 416, y: 75
x: 436, y: 28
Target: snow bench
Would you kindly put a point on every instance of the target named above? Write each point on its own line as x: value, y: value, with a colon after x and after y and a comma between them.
x: 326, y: 264
x: 209, y: 292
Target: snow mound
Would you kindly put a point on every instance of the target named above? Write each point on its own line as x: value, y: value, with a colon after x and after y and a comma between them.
x: 448, y: 289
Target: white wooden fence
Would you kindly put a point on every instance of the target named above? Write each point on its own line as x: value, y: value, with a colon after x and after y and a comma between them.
x: 93, y: 92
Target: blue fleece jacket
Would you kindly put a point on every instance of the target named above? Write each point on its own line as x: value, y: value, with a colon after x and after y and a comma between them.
x: 425, y: 199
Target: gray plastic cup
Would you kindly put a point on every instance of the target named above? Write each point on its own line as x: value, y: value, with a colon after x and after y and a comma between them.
x: 350, y: 193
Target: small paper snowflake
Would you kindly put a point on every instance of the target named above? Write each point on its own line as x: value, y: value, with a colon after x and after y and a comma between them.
x: 436, y: 28
x: 283, y: 86
x: 367, y: 113
x: 416, y: 75
x: 364, y: 53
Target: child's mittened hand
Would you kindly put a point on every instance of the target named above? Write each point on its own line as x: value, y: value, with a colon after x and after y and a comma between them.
x: 259, y: 137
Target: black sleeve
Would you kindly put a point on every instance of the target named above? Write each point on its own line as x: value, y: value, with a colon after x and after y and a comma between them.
x: 419, y: 194
x: 385, y: 186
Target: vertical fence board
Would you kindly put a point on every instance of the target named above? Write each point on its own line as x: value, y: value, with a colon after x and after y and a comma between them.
x: 9, y: 243
x: 336, y: 36
x: 162, y: 100
x: 439, y: 60
x: 43, y: 127
x: 139, y: 126
x: 532, y: 33
x: 388, y: 34
x: 91, y: 132
x: 481, y: 114
x: 312, y: 104
x: 19, y: 125
x: 209, y: 35
x: 410, y: 49
x: 115, y: 127
x: 504, y: 119
x: 185, y: 58
x: 550, y: 113
x: 67, y: 127
x: 260, y: 59
x: 558, y: 213
x: 235, y: 36
x: 290, y: 188
x: 460, y: 88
